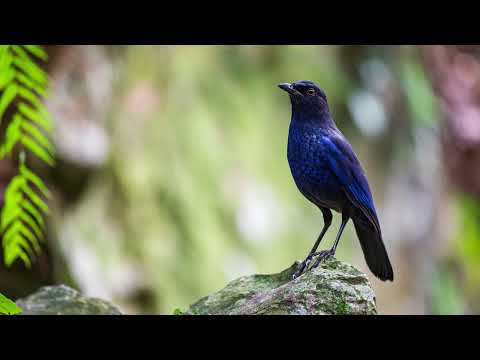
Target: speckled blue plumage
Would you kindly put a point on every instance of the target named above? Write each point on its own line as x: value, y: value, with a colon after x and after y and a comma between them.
x: 325, y: 168
x: 308, y: 152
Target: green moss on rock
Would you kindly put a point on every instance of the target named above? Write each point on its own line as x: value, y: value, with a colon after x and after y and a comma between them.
x: 62, y: 300
x: 334, y: 287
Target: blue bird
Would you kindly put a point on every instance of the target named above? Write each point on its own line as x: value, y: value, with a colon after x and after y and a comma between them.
x: 327, y: 172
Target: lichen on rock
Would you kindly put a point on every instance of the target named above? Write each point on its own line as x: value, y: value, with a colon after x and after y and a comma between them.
x: 333, y: 288
x: 62, y: 300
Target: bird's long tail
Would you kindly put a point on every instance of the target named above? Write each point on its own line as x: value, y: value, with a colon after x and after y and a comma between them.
x: 373, y: 249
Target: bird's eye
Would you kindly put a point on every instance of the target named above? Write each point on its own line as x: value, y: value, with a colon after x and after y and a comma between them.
x: 311, y: 92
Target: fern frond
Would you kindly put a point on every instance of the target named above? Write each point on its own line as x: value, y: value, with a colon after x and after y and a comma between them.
x: 21, y: 222
x: 22, y: 85
x: 21, y: 78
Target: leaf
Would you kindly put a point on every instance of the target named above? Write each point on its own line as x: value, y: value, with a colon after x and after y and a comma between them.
x: 7, y: 97
x: 7, y: 76
x: 14, y: 186
x: 9, y: 216
x: 8, y: 307
x: 34, y: 212
x: 28, y: 219
x: 12, y: 231
x: 30, y: 68
x: 22, y: 84
x: 20, y: 241
x: 31, y: 238
x: 38, y: 136
x: 3, y: 49
x: 36, y: 116
x: 14, y: 252
x: 35, y: 198
x: 37, y: 150
x: 26, y: 81
x: 13, y: 135
x: 5, y: 58
x: 37, y: 51
x: 30, y: 176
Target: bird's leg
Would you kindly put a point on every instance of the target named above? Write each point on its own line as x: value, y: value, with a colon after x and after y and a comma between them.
x: 327, y: 218
x: 325, y: 254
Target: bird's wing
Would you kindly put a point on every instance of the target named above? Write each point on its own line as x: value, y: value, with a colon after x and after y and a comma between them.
x: 346, y: 167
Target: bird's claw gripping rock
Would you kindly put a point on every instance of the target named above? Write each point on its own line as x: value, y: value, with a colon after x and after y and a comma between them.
x: 322, y: 255
x: 302, y: 266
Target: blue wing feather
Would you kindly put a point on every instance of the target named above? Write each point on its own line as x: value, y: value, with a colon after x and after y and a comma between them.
x: 346, y: 167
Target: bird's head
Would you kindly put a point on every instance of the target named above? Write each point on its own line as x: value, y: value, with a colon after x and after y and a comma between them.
x: 306, y: 97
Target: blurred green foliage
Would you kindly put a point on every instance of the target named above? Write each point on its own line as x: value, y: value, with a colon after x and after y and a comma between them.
x: 197, y: 189
x: 446, y: 294
x: 418, y: 90
x: 468, y: 250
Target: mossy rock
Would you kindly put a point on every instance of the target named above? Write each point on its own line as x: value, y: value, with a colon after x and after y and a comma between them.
x: 62, y: 300
x: 334, y: 288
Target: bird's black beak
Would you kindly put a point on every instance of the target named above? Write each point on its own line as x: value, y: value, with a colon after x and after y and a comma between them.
x: 289, y: 89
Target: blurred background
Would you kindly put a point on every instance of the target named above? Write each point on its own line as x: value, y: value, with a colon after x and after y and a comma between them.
x: 172, y: 176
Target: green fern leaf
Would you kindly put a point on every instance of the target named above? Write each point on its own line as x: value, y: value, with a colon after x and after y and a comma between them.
x: 3, y: 50
x: 30, y: 176
x: 8, y: 96
x: 27, y: 206
x: 6, y: 77
x: 22, y: 83
x: 27, y: 82
x: 12, y: 192
x: 10, y: 215
x: 12, y: 136
x: 5, y: 57
x: 8, y: 307
x: 12, y: 232
x: 38, y: 136
x: 19, y: 241
x: 31, y: 239
x: 35, y: 198
x: 37, y: 51
x: 13, y: 252
x: 37, y: 150
x: 30, y: 68
x: 37, y: 116
x: 28, y: 219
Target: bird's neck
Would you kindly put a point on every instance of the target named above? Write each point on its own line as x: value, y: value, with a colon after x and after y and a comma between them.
x: 313, y: 116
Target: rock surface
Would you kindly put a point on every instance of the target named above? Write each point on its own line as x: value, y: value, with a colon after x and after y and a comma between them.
x: 333, y: 288
x: 62, y: 300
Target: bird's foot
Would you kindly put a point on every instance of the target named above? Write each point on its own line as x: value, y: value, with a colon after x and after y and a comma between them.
x: 303, y: 265
x: 322, y: 256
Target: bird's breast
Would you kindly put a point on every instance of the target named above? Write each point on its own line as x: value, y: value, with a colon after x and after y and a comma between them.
x: 305, y: 154
x: 310, y: 169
